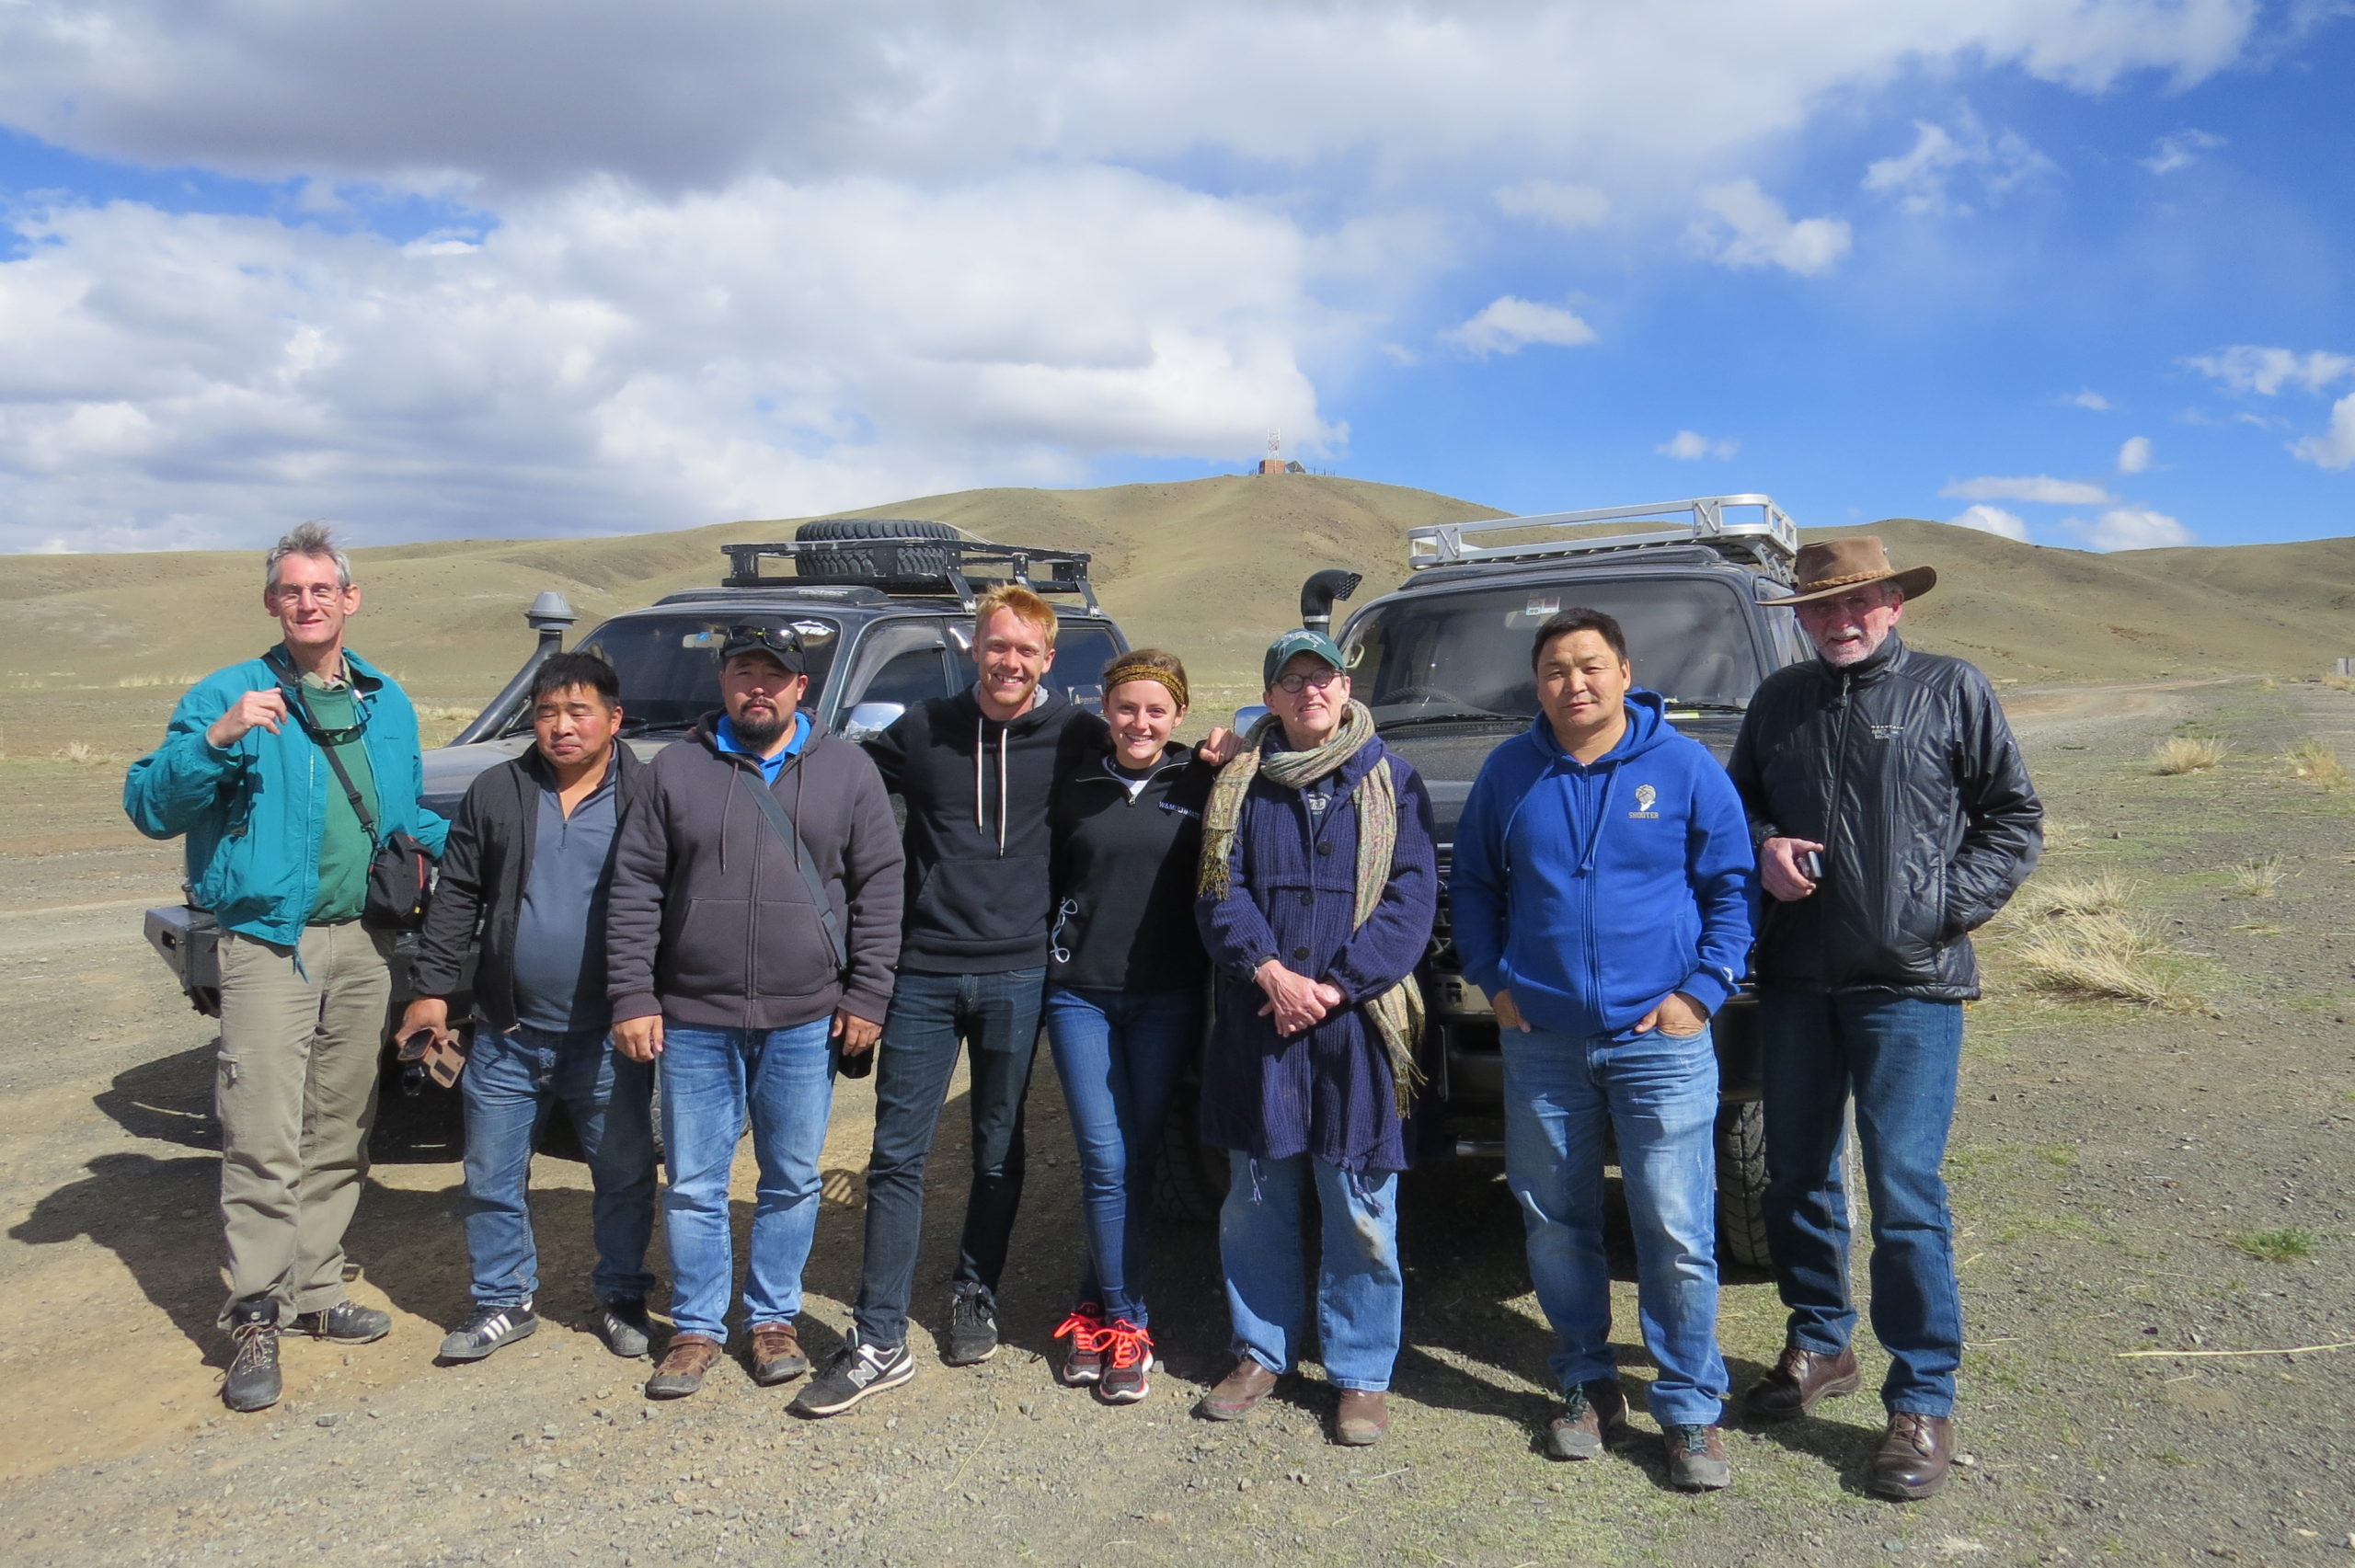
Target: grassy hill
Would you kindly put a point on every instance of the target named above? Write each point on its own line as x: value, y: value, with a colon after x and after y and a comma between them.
x: 1210, y: 567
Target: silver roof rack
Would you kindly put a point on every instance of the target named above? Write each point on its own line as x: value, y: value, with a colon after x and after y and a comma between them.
x: 1770, y: 538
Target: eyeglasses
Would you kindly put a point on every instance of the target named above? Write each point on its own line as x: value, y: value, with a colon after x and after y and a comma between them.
x: 317, y: 593
x: 1320, y: 678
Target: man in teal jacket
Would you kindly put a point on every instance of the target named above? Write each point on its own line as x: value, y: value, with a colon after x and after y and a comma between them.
x: 278, y: 855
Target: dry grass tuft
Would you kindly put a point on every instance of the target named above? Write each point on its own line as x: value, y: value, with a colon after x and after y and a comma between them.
x: 2257, y: 878
x: 2314, y: 761
x: 2110, y: 955
x: 84, y: 753
x: 2339, y: 682
x: 2187, y: 754
x: 2049, y: 898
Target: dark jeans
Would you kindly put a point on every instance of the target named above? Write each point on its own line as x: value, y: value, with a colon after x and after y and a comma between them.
x: 1900, y: 1057
x: 997, y: 1017
x: 1120, y: 1056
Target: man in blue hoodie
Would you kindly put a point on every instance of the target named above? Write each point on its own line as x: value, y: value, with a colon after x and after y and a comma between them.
x: 1602, y: 899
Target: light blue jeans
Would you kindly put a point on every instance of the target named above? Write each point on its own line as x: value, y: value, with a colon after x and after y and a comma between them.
x: 710, y: 1077
x: 1562, y: 1096
x: 509, y: 1084
x: 1360, y: 1292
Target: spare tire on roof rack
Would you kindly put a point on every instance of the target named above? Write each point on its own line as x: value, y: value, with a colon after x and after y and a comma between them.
x: 894, y: 560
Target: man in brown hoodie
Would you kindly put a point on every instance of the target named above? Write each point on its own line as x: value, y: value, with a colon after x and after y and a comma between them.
x: 751, y: 930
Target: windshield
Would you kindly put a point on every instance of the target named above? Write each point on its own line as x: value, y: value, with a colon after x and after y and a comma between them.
x: 670, y: 664
x: 1466, y: 654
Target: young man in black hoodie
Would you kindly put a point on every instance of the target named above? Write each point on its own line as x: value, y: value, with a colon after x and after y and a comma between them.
x: 976, y: 770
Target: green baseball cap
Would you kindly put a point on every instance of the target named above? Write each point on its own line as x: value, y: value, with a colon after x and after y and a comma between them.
x: 1298, y: 640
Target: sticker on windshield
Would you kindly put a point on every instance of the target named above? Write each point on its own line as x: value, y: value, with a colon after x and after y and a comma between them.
x: 1541, y: 606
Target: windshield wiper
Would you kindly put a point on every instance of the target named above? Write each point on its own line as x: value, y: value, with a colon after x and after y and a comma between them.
x: 1448, y: 715
x: 1714, y: 707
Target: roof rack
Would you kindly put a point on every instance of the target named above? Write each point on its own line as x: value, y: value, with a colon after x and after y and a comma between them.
x: 1772, y: 540
x: 964, y: 568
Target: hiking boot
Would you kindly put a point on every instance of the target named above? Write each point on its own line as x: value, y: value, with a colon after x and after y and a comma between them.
x: 1696, y: 1458
x: 1799, y: 1379
x: 1085, y: 1365
x: 855, y: 1371
x: 1128, y: 1358
x: 346, y: 1323
x: 1361, y: 1418
x: 487, y: 1329
x: 776, y: 1354
x: 1915, y: 1453
x: 253, y: 1382
x: 622, y: 1325
x: 1592, y: 1414
x: 973, y: 1326
x: 1238, y: 1393
x: 685, y: 1361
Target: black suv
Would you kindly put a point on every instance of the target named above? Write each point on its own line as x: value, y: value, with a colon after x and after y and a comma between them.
x: 884, y: 612
x: 1443, y: 664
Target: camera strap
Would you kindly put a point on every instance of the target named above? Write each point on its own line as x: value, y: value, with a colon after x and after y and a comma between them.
x: 299, y: 706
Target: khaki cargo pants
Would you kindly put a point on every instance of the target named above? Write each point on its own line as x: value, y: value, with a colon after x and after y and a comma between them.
x: 296, y: 1094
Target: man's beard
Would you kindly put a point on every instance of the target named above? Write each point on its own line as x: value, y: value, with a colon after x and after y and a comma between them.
x: 761, y: 731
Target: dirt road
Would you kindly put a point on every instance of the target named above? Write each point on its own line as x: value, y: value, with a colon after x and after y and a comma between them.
x: 2115, y: 1169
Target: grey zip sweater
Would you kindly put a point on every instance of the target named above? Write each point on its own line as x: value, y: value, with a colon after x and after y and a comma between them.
x: 710, y: 922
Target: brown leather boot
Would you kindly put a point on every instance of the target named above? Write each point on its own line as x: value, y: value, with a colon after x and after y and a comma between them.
x: 776, y: 1354
x: 1915, y: 1454
x: 690, y: 1356
x: 1238, y: 1393
x: 1696, y: 1458
x: 1361, y: 1418
x: 1592, y: 1413
x: 1800, y: 1378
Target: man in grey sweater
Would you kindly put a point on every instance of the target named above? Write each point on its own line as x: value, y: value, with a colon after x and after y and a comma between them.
x: 748, y: 964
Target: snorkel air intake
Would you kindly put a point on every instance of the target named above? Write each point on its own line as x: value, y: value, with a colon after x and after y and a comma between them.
x: 1316, y: 596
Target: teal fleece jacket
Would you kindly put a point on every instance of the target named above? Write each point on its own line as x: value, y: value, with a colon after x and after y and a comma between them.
x: 254, y: 811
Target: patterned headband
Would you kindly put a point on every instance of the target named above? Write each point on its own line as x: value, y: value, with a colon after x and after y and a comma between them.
x: 1124, y: 670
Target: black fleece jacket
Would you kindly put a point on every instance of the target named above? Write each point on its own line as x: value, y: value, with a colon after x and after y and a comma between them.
x: 978, y: 848
x: 1128, y: 854
x: 485, y: 867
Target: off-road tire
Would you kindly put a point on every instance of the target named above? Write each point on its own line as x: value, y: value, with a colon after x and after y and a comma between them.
x: 1741, y: 1184
x: 855, y: 565
x: 1190, y: 1181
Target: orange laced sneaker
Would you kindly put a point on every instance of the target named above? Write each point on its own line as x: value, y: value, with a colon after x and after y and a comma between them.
x: 1085, y: 1329
x: 1128, y: 1357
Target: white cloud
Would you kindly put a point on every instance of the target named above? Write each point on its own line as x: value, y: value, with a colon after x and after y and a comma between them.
x: 2244, y: 367
x: 1919, y: 178
x: 2335, y: 448
x: 1746, y: 227
x: 1688, y: 445
x: 2133, y: 527
x: 1991, y: 519
x: 2180, y: 150
x: 2040, y: 488
x: 1510, y: 324
x: 1552, y: 203
x: 2134, y: 454
x: 2088, y: 398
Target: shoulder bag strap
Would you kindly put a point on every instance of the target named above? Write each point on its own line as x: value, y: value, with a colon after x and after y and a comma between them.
x: 300, y: 706
x: 774, y: 809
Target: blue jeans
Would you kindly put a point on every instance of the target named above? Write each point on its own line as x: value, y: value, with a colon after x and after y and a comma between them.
x: 1899, y: 1056
x: 710, y: 1078
x: 1360, y: 1294
x: 997, y: 1015
x: 1119, y: 1057
x: 509, y: 1084
x: 1563, y: 1094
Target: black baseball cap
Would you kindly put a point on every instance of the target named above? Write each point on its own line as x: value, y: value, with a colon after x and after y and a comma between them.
x: 780, y: 643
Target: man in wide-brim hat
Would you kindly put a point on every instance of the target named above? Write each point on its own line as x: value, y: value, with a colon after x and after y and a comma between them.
x: 1893, y: 816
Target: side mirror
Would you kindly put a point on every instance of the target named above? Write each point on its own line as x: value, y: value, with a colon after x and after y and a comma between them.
x: 870, y: 719
x: 1245, y: 718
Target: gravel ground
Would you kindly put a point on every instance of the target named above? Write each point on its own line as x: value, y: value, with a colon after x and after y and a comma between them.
x: 2116, y: 1170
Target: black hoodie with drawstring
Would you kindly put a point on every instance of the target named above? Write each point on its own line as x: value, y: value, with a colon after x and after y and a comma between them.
x: 979, y: 845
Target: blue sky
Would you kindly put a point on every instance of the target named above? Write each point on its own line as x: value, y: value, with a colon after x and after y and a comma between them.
x: 2075, y: 273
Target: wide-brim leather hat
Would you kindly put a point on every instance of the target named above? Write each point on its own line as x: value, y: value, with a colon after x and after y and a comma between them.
x: 1832, y: 566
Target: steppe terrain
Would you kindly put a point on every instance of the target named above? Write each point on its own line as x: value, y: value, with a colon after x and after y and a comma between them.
x: 2158, y: 1250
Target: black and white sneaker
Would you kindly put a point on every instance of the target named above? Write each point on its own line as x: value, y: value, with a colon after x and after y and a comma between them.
x: 346, y: 1323
x: 487, y: 1329
x: 854, y: 1371
x: 622, y: 1325
x: 973, y: 1326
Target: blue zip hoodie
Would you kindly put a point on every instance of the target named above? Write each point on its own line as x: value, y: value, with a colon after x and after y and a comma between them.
x: 1591, y: 891
x: 254, y: 811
